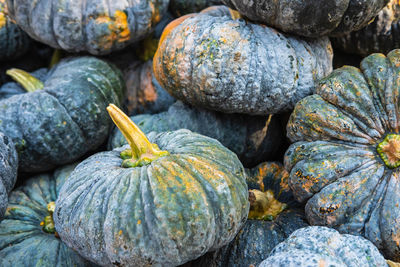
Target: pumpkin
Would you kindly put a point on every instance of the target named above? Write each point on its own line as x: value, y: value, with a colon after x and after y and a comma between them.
x: 167, y: 200
x: 233, y: 66
x: 273, y: 217
x: 310, y: 18
x: 66, y: 119
x: 382, y: 35
x: 14, y: 42
x: 144, y: 94
x: 97, y: 27
x: 345, y: 157
x: 183, y: 7
x: 27, y: 234
x: 322, y: 246
x: 8, y: 170
x: 252, y: 138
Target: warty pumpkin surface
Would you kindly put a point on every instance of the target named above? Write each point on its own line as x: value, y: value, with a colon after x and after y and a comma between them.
x: 345, y: 157
x: 8, y: 170
x: 382, y: 35
x: 183, y: 7
x: 253, y: 138
x: 67, y: 118
x: 167, y: 202
x: 316, y: 246
x: 97, y: 27
x: 310, y: 18
x: 233, y: 66
x: 27, y: 234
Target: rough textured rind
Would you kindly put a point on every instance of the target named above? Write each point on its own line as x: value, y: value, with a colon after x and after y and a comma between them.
x: 234, y: 66
x: 183, y: 7
x: 252, y: 138
x: 382, y: 35
x: 98, y: 27
x: 167, y: 213
x: 317, y: 246
x: 22, y: 239
x: 312, y: 18
x: 334, y: 164
x: 8, y: 170
x: 66, y: 119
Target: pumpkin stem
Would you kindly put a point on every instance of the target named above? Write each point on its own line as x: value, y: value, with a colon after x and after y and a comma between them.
x: 55, y: 58
x: 392, y: 263
x: 389, y: 150
x: 235, y: 14
x: 48, y: 223
x: 26, y: 80
x: 264, y: 206
x: 142, y: 152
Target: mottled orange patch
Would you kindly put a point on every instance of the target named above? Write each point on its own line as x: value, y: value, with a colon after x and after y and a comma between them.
x: 321, y: 263
x: 41, y: 223
x: 120, y: 232
x: 139, y: 222
x: 2, y: 20
x: 118, y: 26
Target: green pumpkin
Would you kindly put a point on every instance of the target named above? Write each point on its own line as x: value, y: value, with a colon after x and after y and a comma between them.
x: 317, y: 246
x: 183, y: 7
x: 27, y: 234
x: 311, y: 18
x: 97, y: 27
x: 345, y: 157
x: 65, y: 119
x: 382, y: 35
x: 8, y: 170
x: 212, y: 61
x: 161, y: 203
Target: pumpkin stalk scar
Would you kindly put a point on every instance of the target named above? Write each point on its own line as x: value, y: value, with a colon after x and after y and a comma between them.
x: 389, y: 150
x: 142, y: 152
x: 26, y: 80
x: 235, y: 14
x: 263, y: 205
x: 48, y: 222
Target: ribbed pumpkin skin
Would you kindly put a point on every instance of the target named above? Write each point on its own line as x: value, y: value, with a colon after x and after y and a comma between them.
x: 250, y: 137
x: 13, y: 41
x: 94, y: 26
x: 334, y: 164
x: 165, y: 213
x: 234, y: 66
x: 310, y: 18
x: 183, y: 7
x: 66, y: 119
x: 382, y: 35
x: 143, y: 92
x: 8, y: 170
x: 22, y: 239
x: 322, y: 246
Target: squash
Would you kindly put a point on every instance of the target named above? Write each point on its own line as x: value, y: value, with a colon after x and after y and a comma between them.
x: 183, y: 7
x: 27, y: 234
x: 321, y: 246
x: 97, y: 27
x: 382, y: 35
x: 345, y: 157
x: 280, y: 216
x: 310, y: 18
x: 14, y: 42
x: 252, y: 138
x: 232, y: 66
x: 64, y: 120
x: 8, y: 170
x: 163, y: 202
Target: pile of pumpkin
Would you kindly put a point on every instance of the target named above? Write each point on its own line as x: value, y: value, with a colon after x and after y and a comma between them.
x: 244, y: 146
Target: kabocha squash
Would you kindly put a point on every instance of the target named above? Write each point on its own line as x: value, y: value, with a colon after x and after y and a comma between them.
x: 183, y: 7
x: 345, y: 158
x: 268, y: 223
x: 317, y: 246
x: 97, y: 27
x: 233, y: 66
x: 382, y: 35
x: 168, y: 202
x: 253, y: 138
x: 310, y: 18
x: 64, y: 120
x: 14, y: 42
x: 8, y: 170
x: 27, y: 234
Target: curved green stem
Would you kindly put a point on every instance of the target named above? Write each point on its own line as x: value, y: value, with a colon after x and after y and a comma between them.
x: 55, y: 58
x: 48, y: 223
x: 26, y: 80
x: 142, y: 152
x: 263, y: 205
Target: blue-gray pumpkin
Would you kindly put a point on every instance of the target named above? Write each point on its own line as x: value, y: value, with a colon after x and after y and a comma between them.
x: 27, y: 233
x: 160, y: 203
x: 65, y: 119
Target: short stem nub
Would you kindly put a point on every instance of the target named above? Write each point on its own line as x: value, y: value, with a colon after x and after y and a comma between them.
x: 389, y: 150
x: 263, y: 205
x: 142, y: 152
x: 26, y: 80
x: 48, y: 223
